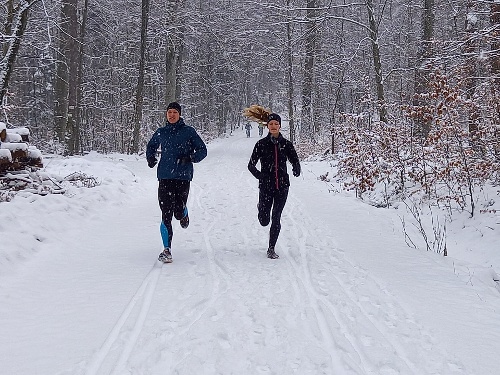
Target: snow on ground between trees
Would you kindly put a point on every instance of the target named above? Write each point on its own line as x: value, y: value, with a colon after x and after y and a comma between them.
x: 82, y: 292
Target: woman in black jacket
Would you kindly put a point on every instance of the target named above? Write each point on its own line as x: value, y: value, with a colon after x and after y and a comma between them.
x: 273, y: 151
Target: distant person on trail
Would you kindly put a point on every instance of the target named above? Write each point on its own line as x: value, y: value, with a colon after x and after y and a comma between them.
x: 261, y: 129
x: 248, y: 127
x: 272, y: 151
x: 181, y: 146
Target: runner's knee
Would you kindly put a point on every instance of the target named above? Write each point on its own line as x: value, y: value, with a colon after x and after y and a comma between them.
x: 264, y: 220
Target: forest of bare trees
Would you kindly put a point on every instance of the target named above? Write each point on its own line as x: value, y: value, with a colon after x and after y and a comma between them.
x: 404, y: 91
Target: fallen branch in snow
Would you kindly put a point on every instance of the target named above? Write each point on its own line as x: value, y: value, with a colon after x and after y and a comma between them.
x: 81, y: 179
x: 41, y: 183
x: 27, y: 181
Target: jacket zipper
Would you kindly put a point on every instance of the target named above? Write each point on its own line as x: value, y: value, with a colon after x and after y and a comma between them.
x: 276, y: 164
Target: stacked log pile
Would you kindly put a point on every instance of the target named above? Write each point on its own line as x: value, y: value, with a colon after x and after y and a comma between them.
x: 15, y: 152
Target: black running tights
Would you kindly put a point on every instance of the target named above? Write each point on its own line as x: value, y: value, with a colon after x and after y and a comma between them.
x: 275, y: 200
x: 172, y: 197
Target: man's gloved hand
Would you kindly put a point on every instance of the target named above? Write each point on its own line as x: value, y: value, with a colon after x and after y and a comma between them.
x: 296, y: 171
x: 152, y: 162
x: 183, y: 160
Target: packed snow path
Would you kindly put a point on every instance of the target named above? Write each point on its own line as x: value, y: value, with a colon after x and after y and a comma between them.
x: 96, y: 300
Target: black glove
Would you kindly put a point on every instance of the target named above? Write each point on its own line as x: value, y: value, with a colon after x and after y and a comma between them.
x: 183, y: 160
x: 152, y: 162
x: 296, y: 171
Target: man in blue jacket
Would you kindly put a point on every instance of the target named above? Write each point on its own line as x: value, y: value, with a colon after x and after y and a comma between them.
x: 181, y: 146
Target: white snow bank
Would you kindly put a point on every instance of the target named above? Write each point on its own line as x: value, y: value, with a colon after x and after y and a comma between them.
x: 14, y: 146
x: 5, y: 154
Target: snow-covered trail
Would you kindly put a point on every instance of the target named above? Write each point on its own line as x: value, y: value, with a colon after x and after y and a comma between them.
x: 101, y: 301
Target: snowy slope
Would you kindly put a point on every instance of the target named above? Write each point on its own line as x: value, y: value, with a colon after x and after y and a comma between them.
x: 81, y: 291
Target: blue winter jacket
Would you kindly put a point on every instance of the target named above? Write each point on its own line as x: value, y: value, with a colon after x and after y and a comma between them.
x: 178, y: 141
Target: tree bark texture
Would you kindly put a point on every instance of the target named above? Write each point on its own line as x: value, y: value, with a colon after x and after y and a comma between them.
x: 139, y: 93
x: 67, y: 76
x: 495, y: 68
x: 172, y: 56
x: 308, y: 83
x: 289, y: 76
x: 423, y: 67
x: 79, y: 83
x: 470, y: 71
x: 377, y: 62
x: 17, y: 20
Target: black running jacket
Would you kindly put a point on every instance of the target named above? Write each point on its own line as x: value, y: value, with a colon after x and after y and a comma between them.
x: 273, y: 154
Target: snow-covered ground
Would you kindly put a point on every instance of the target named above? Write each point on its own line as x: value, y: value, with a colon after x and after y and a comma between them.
x: 81, y: 291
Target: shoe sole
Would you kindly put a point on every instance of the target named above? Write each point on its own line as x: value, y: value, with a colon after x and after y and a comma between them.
x: 164, y: 259
x: 184, y: 224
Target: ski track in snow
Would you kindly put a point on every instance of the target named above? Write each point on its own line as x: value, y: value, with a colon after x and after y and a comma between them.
x: 333, y: 313
x: 377, y: 311
x: 222, y: 307
x: 145, y: 295
x: 353, y: 325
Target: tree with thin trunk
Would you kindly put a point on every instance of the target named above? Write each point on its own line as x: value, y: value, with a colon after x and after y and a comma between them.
x: 139, y: 93
x: 311, y: 37
x: 470, y: 68
x: 79, y: 81
x: 377, y: 61
x: 66, y: 79
x: 423, y: 68
x: 172, y: 54
x: 495, y: 69
x: 289, y: 74
x: 17, y: 20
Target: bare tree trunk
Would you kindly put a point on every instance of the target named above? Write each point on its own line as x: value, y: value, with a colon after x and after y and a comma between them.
x: 139, y: 96
x: 17, y: 20
x: 338, y: 91
x: 79, y: 84
x: 470, y: 67
x: 171, y: 57
x: 307, y: 115
x: 67, y: 72
x: 377, y: 62
x: 335, y: 106
x: 170, y: 72
x: 495, y: 22
x: 289, y: 75
x: 60, y: 100
x: 8, y: 24
x: 495, y: 67
x: 73, y: 59
x: 180, y: 54
x: 422, y: 71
